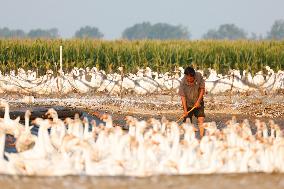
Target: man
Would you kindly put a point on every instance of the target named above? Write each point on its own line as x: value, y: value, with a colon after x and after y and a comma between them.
x: 191, y: 90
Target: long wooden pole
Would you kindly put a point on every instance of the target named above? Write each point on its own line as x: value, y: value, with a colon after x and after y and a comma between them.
x: 186, y: 114
x: 60, y: 59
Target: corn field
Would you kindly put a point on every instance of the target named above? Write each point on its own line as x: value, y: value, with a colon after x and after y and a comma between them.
x: 43, y: 54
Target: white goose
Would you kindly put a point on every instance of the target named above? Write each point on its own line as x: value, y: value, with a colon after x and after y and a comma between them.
x: 34, y: 161
x: 42, y: 147
x: 12, y: 127
x: 75, y: 127
x: 4, y: 167
x: 58, y: 129
x: 25, y: 140
x: 258, y: 79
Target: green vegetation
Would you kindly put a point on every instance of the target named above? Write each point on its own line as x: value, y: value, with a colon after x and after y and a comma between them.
x: 226, y: 31
x: 33, y: 34
x: 159, y: 55
x: 88, y: 32
x: 157, y: 31
x: 277, y: 30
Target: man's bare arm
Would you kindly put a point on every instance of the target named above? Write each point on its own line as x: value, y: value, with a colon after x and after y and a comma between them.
x: 201, y: 94
x: 184, y: 106
x: 197, y: 103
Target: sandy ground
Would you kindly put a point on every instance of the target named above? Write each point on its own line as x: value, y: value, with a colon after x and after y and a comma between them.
x: 218, y: 108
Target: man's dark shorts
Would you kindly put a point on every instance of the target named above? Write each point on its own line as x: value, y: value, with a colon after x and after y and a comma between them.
x: 197, y: 112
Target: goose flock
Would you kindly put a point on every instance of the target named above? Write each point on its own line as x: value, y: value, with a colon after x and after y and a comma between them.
x: 144, y: 82
x: 153, y: 147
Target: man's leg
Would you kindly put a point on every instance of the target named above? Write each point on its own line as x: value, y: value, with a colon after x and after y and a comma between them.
x: 200, y: 118
x: 200, y: 125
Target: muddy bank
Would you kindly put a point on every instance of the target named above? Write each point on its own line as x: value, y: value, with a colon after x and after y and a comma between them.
x: 218, y: 108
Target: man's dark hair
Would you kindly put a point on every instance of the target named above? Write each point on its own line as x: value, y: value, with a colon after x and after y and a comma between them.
x: 189, y: 71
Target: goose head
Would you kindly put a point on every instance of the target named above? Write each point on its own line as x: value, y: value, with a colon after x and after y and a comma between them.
x: 51, y: 113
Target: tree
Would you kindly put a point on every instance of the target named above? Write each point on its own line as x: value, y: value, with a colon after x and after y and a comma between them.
x: 254, y: 36
x: 138, y: 31
x: 226, y: 31
x: 157, y: 31
x: 88, y: 32
x: 277, y: 30
x: 7, y: 33
x: 40, y: 33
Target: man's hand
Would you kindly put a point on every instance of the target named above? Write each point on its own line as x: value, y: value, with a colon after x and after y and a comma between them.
x: 197, y: 104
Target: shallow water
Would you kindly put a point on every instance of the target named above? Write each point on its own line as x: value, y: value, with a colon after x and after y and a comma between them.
x: 40, y: 112
x: 218, y: 181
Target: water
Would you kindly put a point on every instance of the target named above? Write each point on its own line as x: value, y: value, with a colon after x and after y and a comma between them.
x: 215, y: 181
x: 40, y: 112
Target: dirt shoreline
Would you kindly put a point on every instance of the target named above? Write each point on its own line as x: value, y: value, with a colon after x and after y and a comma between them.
x: 219, y: 108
